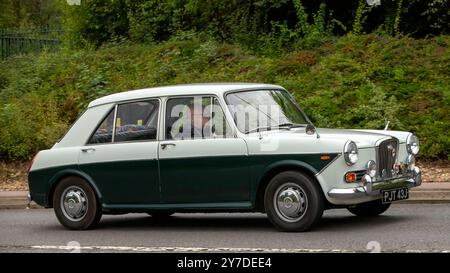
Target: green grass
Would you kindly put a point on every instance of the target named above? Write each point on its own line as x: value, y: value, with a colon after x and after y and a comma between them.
x: 354, y: 82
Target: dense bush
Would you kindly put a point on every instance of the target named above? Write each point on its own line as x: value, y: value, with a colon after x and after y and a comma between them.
x: 247, y: 22
x: 29, y: 124
x: 354, y: 82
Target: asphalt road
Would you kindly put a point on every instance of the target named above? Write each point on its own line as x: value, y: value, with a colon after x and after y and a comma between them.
x: 404, y: 228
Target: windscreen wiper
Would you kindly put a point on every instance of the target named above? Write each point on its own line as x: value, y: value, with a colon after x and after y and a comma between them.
x: 292, y: 125
x: 286, y: 126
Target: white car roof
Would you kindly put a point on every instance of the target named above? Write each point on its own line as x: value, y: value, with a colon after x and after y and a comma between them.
x: 179, y: 90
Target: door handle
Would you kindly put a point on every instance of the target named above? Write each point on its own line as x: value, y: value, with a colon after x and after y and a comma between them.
x: 85, y: 150
x: 164, y: 145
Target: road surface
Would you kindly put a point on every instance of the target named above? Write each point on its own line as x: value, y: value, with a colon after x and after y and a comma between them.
x: 403, y: 228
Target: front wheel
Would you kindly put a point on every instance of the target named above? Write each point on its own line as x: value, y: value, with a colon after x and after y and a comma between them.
x: 75, y: 204
x: 293, y: 201
x: 369, y: 209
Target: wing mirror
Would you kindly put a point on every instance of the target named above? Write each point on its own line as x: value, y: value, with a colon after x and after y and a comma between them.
x: 311, y: 130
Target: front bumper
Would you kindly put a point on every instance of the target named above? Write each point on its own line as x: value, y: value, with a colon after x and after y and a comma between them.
x: 375, y: 188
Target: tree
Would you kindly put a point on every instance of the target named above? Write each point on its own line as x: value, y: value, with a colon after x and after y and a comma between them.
x: 26, y: 13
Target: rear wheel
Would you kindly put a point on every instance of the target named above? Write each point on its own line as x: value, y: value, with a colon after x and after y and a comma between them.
x: 293, y: 201
x: 75, y: 204
x: 369, y: 209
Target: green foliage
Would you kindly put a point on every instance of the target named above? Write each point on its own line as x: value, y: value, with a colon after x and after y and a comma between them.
x: 353, y: 82
x: 29, y: 124
x: 316, y: 32
x: 290, y: 23
x: 95, y: 22
x: 307, y: 33
x: 425, y: 17
x: 30, y: 13
x: 398, y: 12
x: 7, y: 14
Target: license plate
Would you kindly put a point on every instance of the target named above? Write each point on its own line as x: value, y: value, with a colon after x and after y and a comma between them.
x: 390, y: 196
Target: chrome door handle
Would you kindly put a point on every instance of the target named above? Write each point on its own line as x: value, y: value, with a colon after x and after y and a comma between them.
x: 87, y: 149
x: 164, y: 145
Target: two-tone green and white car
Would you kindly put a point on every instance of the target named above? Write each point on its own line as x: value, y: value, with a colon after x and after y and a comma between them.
x: 218, y: 147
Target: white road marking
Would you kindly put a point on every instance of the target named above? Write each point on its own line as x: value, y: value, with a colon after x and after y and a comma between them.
x: 190, y: 249
x: 215, y: 249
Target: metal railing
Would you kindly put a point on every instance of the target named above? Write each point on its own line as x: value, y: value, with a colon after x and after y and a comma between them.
x: 19, y: 41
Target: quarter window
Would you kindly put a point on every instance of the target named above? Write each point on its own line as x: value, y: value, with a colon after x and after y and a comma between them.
x: 134, y: 121
x: 103, y: 134
x: 195, y: 117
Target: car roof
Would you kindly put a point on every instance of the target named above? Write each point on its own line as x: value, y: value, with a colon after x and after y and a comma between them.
x: 180, y: 90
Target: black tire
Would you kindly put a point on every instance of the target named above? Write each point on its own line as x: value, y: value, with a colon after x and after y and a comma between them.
x: 369, y: 209
x: 160, y: 214
x: 307, y: 211
x: 92, y: 213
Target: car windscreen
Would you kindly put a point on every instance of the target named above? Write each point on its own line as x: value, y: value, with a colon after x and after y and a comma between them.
x: 264, y: 108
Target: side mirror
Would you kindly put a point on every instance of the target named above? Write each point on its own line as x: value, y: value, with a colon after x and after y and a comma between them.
x: 310, y: 130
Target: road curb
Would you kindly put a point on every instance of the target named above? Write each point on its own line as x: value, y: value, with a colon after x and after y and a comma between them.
x: 427, y: 193
x: 16, y: 200
x: 428, y: 196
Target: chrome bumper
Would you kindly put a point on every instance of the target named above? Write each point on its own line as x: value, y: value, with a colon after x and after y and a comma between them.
x: 375, y: 188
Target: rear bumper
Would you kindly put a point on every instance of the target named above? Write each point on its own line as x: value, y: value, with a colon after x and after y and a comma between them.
x: 374, y: 189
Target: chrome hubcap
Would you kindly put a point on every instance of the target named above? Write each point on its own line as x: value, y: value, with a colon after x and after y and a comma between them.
x: 290, y: 202
x: 74, y: 203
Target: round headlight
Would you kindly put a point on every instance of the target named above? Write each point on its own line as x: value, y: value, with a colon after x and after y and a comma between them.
x: 350, y: 153
x: 412, y: 144
x: 371, y: 168
x: 411, y: 161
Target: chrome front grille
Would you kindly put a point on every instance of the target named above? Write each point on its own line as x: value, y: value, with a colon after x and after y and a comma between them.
x: 387, y: 154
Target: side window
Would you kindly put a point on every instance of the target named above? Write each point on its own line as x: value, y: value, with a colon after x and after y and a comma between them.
x: 195, y: 117
x: 134, y: 121
x: 103, y: 134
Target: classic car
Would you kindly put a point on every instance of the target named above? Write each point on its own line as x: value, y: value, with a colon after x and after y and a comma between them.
x: 224, y: 147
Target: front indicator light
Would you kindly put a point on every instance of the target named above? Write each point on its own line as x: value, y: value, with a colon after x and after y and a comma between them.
x: 350, y: 177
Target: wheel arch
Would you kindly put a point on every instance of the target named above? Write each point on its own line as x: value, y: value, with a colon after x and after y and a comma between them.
x: 279, y: 167
x: 58, y: 177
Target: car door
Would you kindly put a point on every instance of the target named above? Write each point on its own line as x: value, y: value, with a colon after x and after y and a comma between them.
x: 200, y: 159
x: 121, y: 155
